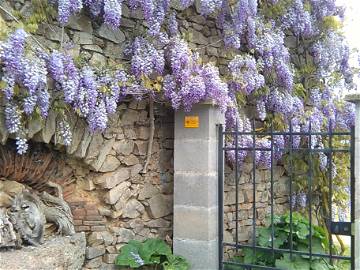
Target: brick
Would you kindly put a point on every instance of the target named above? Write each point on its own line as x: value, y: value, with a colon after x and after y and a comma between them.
x: 82, y: 228
x: 98, y: 228
x: 94, y: 218
x: 78, y: 212
x: 78, y: 222
x: 91, y: 207
x: 94, y: 222
x: 91, y: 212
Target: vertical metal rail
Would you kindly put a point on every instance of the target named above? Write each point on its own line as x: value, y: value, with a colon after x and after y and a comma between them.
x: 272, y: 188
x: 237, y: 185
x: 309, y: 192
x: 291, y: 191
x: 254, y: 189
x: 330, y: 192
x: 221, y: 194
x: 352, y: 192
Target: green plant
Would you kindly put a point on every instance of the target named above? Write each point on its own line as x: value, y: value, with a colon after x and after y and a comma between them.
x: 153, y: 252
x: 300, y: 242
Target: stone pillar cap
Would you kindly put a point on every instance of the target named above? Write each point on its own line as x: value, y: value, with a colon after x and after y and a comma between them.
x: 354, y: 98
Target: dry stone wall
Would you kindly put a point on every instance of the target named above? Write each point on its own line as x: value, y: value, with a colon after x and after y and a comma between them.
x: 111, y: 200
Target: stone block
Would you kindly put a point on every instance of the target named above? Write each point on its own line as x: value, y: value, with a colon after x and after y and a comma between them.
x: 203, y: 255
x: 115, y: 193
x: 204, y: 185
x: 186, y: 155
x: 198, y: 223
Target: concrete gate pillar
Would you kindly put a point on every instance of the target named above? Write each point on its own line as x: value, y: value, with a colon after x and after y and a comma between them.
x: 355, y: 98
x: 196, y: 185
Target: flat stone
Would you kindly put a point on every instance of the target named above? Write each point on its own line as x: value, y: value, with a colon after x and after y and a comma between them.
x: 110, y: 180
x: 147, y: 191
x: 50, y: 127
x: 131, y: 160
x: 143, y: 133
x: 110, y: 164
x: 93, y: 48
x: 80, y: 22
x: 94, y: 263
x: 83, y: 38
x: 124, y: 235
x: 130, y: 117
x: 121, y: 203
x: 53, y: 32
x: 124, y: 147
x: 93, y: 252
x: 56, y: 253
x: 3, y: 130
x: 158, y: 223
x: 113, y: 195
x: 103, y: 153
x: 77, y: 135
x: 133, y: 209
x: 134, y: 170
x: 98, y: 59
x: 114, y: 51
x: 114, y: 35
x: 160, y: 205
x: 95, y: 239
x: 141, y: 148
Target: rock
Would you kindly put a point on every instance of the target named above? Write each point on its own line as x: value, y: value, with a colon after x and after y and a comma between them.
x: 56, y: 253
x: 98, y: 60
x: 5, y: 200
x: 114, y: 35
x: 130, y: 117
x: 110, y: 258
x: 124, y: 147
x: 12, y: 187
x: 84, y: 144
x: 121, y: 203
x: 95, y: 239
x: 81, y: 23
x: 111, y: 163
x: 133, y: 209
x: 110, y: 180
x: 197, y: 37
x: 89, y: 185
x: 143, y: 133
x: 50, y: 126
x: 141, y: 148
x: 94, y: 263
x: 77, y: 135
x: 113, y: 195
x: 93, y: 48
x: 83, y: 38
x: 137, y: 168
x: 123, y: 235
x: 103, y: 153
x: 94, y: 147
x: 160, y: 205
x: 158, y: 223
x: 131, y: 160
x: 53, y: 32
x: 3, y: 130
x: 93, y: 252
x: 34, y: 126
x: 147, y: 191
x: 114, y: 51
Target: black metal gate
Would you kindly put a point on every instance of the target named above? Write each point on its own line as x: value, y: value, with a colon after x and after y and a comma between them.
x: 317, y: 215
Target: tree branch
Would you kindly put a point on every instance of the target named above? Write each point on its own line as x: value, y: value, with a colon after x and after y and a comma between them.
x: 152, y: 130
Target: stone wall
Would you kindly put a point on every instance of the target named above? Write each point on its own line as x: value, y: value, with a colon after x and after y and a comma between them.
x: 111, y: 200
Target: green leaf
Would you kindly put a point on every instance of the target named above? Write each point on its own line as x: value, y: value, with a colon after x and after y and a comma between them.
x: 152, y: 250
x: 129, y: 255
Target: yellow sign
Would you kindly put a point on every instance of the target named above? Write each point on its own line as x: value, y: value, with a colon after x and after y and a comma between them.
x: 191, y: 121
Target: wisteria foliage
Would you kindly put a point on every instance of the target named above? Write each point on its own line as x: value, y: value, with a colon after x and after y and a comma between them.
x: 262, y: 69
